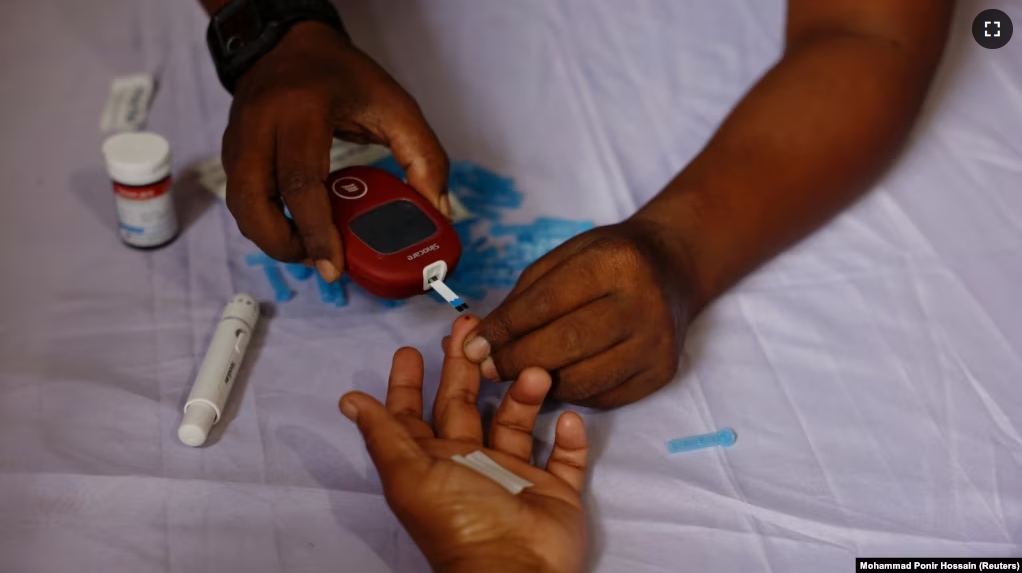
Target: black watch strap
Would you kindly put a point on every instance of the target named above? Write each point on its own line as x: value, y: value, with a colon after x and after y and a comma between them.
x: 245, y: 30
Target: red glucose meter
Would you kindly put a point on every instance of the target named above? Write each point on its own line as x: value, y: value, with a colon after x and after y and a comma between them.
x: 395, y: 241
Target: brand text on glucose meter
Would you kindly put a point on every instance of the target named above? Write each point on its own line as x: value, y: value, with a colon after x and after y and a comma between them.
x: 421, y: 252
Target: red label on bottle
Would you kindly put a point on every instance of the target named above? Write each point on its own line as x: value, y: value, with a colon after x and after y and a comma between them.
x: 142, y: 192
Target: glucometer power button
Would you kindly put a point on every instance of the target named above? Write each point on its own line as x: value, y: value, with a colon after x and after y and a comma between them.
x: 195, y: 426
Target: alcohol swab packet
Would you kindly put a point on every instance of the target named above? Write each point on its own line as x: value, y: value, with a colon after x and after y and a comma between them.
x: 346, y: 154
x: 127, y: 107
x: 458, y: 210
x: 482, y: 463
x: 213, y: 177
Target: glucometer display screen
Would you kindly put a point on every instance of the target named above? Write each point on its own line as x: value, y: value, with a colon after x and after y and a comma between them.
x: 393, y: 227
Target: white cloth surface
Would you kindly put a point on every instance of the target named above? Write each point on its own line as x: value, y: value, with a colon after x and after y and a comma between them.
x: 873, y: 373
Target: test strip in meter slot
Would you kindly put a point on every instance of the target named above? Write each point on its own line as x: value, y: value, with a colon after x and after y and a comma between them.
x: 448, y: 294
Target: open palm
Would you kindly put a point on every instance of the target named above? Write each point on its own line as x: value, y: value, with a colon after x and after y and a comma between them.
x: 461, y: 519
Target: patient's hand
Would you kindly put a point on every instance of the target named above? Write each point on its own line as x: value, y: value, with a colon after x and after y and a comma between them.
x: 462, y: 520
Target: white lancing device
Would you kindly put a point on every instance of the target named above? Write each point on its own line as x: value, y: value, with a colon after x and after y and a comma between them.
x: 219, y: 370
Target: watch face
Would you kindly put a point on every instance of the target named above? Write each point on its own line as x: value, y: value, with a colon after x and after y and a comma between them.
x: 239, y: 27
x: 393, y: 227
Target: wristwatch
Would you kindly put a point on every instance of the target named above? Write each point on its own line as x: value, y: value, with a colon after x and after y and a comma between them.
x: 242, y: 31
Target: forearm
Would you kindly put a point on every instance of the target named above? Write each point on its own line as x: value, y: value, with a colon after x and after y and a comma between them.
x: 810, y: 137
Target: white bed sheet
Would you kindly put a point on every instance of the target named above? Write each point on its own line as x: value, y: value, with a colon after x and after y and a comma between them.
x: 873, y: 374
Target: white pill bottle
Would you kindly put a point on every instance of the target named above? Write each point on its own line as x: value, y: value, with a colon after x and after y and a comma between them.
x: 139, y: 165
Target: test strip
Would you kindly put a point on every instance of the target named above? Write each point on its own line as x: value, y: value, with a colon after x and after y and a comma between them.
x: 448, y: 294
x: 724, y: 438
x: 482, y: 463
x: 458, y: 210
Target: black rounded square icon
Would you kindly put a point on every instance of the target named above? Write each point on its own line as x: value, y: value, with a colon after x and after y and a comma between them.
x: 992, y: 29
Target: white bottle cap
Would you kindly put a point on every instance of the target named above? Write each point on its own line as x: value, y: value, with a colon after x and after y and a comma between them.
x: 137, y: 158
x: 199, y: 418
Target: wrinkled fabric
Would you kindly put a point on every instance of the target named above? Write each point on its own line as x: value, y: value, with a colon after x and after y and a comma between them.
x: 873, y: 373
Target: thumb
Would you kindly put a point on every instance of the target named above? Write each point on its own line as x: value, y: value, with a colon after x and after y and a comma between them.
x: 418, y: 151
x: 393, y: 450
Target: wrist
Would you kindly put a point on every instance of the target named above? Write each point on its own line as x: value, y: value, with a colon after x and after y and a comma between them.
x: 313, y: 34
x: 303, y: 40
x: 669, y: 235
x: 243, y: 34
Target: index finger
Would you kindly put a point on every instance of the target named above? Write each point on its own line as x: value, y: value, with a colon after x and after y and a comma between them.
x: 248, y: 158
x: 303, y: 163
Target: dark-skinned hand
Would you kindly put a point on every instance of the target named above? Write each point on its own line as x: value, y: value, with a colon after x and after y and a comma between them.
x: 312, y: 86
x: 459, y: 518
x: 605, y: 313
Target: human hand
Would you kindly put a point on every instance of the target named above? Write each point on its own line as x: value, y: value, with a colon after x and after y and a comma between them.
x: 605, y: 313
x: 460, y: 519
x: 312, y: 86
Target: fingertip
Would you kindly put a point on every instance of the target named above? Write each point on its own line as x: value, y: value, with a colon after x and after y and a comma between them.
x: 531, y: 387
x: 327, y: 253
x: 328, y: 270
x: 357, y: 397
x: 488, y: 369
x: 407, y: 361
x: 460, y: 331
x: 362, y: 409
x: 536, y: 377
x: 348, y: 404
x: 571, y: 431
x: 407, y: 353
x: 463, y: 324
